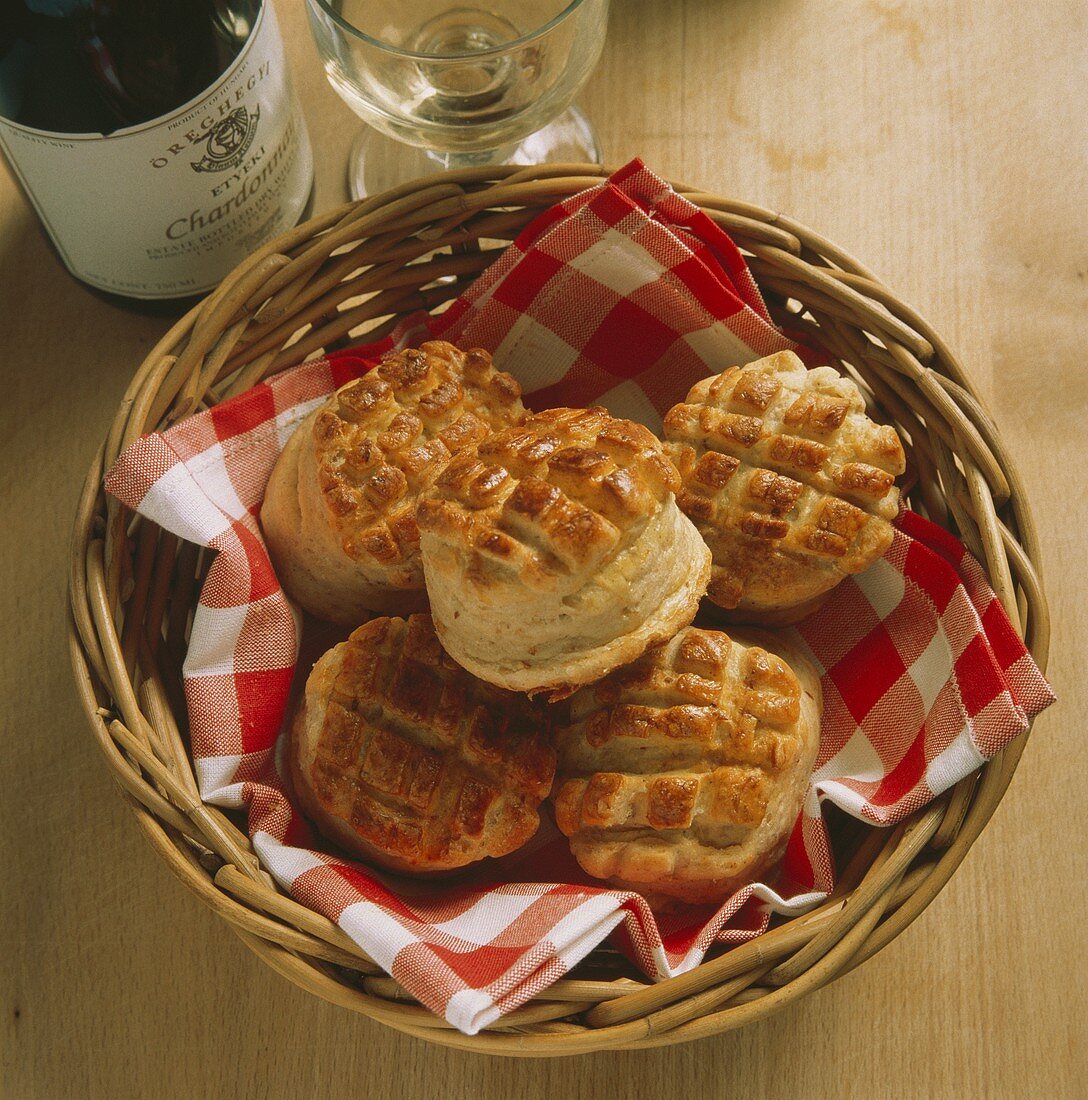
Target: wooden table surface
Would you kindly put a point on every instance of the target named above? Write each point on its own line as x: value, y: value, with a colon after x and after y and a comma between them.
x: 945, y: 145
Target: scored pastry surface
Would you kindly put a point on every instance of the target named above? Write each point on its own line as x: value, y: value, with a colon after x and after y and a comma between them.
x: 409, y: 761
x: 681, y: 775
x: 554, y: 550
x: 552, y: 497
x: 787, y: 479
x: 340, y: 508
x: 388, y: 435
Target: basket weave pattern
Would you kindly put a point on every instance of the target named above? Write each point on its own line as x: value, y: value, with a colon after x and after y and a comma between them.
x: 353, y: 274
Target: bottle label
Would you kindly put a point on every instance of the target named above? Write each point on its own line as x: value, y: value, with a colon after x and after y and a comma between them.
x: 167, y: 208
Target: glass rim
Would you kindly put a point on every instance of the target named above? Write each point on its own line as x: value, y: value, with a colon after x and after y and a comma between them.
x: 415, y: 55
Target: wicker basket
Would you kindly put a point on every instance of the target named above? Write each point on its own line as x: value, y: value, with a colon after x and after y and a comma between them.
x: 351, y: 274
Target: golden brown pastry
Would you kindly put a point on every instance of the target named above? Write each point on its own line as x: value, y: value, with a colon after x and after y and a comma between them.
x: 405, y: 759
x: 681, y: 776
x: 787, y: 479
x: 339, y: 512
x: 554, y: 552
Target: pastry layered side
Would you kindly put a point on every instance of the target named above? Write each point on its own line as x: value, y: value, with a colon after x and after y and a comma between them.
x: 682, y: 775
x: 555, y: 552
x: 339, y: 511
x: 789, y: 482
x: 405, y: 759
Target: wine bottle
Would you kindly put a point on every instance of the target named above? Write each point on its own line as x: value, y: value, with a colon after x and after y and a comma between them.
x: 160, y: 141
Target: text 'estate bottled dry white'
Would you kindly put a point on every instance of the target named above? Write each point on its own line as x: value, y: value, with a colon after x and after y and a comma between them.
x: 160, y: 141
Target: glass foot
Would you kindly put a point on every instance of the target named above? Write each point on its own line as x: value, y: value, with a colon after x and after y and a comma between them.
x: 378, y: 162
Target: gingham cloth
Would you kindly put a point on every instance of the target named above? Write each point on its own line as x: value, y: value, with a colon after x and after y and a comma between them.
x: 624, y: 295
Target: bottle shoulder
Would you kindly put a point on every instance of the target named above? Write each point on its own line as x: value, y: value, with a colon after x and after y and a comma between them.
x: 91, y: 69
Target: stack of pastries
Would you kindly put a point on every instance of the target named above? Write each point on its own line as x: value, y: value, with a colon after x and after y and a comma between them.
x: 563, y: 556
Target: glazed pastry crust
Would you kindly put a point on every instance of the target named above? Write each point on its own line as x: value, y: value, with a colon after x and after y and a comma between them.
x: 406, y: 760
x: 339, y: 511
x: 789, y: 482
x: 681, y: 776
x: 554, y: 551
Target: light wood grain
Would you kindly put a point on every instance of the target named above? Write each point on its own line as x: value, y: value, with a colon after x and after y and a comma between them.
x: 943, y: 144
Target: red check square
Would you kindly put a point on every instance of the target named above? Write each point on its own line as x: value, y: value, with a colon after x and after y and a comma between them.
x: 262, y: 700
x: 905, y: 776
x: 231, y: 419
x: 628, y: 340
x: 533, y: 274
x: 868, y: 671
x: 978, y: 675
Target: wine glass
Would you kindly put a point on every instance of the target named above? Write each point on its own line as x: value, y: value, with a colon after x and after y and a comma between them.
x: 456, y: 87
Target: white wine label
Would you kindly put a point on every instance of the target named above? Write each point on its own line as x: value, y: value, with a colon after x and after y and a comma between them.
x: 167, y: 208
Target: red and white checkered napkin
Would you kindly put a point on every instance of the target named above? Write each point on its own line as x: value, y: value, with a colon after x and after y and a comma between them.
x: 625, y: 294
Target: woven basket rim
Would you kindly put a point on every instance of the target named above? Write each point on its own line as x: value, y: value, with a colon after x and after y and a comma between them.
x: 131, y: 587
